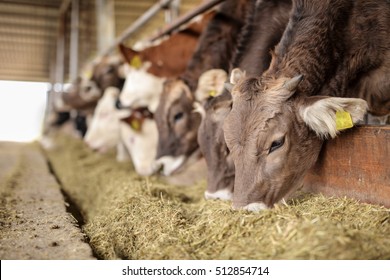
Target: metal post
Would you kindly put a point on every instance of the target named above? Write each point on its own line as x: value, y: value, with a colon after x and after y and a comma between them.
x: 74, y: 41
x: 172, y: 12
x: 137, y: 24
x: 105, y: 24
x: 60, y: 55
x: 60, y: 52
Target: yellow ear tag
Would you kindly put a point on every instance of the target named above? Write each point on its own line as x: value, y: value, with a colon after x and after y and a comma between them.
x: 88, y: 74
x: 135, y: 125
x: 343, y: 120
x: 136, y: 62
x: 213, y: 93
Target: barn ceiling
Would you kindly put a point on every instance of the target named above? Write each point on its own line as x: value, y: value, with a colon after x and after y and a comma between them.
x: 29, y: 31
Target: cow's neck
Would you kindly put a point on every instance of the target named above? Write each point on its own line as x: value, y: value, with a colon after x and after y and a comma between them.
x: 263, y: 29
x: 216, y: 44
x: 311, y: 44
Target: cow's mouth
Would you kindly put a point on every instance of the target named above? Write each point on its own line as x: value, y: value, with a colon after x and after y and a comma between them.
x: 169, y: 165
x: 101, y: 149
x: 252, y: 207
x: 222, y: 194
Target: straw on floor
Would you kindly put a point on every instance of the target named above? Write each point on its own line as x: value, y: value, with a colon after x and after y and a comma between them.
x: 131, y: 217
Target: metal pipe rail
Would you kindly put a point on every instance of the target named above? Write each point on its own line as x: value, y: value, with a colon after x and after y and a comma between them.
x: 186, y: 18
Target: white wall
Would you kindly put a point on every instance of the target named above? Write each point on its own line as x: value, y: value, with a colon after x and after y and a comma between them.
x: 22, y: 110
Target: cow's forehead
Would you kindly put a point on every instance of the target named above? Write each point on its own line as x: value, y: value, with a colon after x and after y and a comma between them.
x: 135, y: 75
x: 174, y: 92
x: 255, y: 117
x: 259, y: 99
x: 141, y: 79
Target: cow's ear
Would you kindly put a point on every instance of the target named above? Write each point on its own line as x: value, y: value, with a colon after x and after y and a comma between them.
x: 236, y: 75
x: 210, y: 84
x: 128, y: 53
x: 122, y: 114
x: 328, y: 115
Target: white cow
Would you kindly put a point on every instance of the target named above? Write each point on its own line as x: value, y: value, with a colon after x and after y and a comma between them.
x: 141, y: 145
x: 141, y: 89
x: 103, y: 132
x: 109, y: 129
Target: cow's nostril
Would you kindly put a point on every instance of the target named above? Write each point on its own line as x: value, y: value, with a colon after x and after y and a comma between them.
x: 118, y: 104
x: 160, y: 169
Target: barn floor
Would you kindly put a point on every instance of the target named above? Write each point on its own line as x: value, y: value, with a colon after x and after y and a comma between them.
x: 130, y: 217
x: 34, y: 223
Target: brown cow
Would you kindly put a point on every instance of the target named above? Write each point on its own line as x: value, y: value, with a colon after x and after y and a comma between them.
x: 279, y: 121
x: 176, y: 121
x: 170, y: 55
x: 261, y: 33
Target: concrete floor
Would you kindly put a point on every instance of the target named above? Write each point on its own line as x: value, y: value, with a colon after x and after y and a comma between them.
x: 34, y: 223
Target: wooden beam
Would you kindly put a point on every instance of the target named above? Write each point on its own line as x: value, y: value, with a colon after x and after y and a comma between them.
x: 356, y: 164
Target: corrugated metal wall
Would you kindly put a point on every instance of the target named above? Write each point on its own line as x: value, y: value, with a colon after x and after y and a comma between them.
x: 27, y: 37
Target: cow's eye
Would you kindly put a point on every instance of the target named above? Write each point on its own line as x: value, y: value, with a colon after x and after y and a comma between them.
x: 110, y: 70
x: 276, y: 145
x: 178, y: 116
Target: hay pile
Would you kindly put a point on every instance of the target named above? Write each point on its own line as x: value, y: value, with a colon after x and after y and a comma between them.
x: 131, y: 217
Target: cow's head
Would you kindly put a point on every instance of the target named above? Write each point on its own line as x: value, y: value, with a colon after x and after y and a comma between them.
x: 139, y: 135
x: 177, y: 125
x: 103, y: 132
x: 108, y: 72
x: 82, y: 94
x: 274, y: 135
x: 89, y: 91
x: 215, y: 104
x: 141, y: 89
